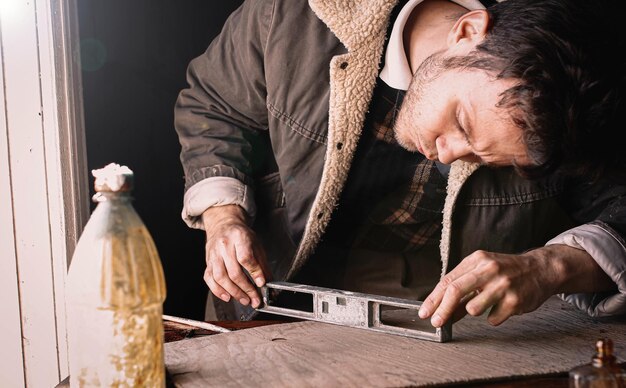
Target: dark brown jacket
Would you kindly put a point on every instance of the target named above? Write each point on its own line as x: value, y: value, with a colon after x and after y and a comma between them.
x: 278, y: 102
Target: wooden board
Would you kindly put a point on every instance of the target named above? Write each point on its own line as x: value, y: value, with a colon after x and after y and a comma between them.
x: 555, y: 338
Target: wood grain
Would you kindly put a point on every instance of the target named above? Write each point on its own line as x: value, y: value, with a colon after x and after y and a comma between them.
x: 553, y: 339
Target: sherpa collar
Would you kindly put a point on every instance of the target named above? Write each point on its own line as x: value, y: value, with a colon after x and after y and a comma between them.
x: 347, y: 18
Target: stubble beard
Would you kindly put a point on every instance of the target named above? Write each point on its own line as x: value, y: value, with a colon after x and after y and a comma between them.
x: 406, y: 120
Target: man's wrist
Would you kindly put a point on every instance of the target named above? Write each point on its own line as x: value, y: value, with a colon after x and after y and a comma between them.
x: 216, y: 191
x: 227, y: 213
x: 573, y: 270
x: 552, y: 269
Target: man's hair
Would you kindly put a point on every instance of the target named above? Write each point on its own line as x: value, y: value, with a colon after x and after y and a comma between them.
x: 566, y: 55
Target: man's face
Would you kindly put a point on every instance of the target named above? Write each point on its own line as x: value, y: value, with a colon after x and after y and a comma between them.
x: 451, y: 114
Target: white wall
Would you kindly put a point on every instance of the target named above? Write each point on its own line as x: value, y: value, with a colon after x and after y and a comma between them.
x: 43, y: 191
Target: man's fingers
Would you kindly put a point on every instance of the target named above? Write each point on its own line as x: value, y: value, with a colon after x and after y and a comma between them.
x: 247, y: 259
x: 484, y: 300
x: 221, y: 277
x: 434, y: 300
x: 215, y: 288
x: 259, y: 253
x: 497, y: 315
x: 450, y: 301
x: 504, y: 309
x: 457, y: 292
x: 236, y: 274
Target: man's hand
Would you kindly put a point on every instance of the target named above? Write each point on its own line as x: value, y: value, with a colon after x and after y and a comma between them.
x: 231, y: 247
x: 511, y: 284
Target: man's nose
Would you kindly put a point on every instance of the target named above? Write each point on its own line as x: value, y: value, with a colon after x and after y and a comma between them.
x: 451, y: 148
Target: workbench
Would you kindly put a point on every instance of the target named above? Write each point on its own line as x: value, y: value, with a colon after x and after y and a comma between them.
x: 533, y: 350
x: 177, y: 332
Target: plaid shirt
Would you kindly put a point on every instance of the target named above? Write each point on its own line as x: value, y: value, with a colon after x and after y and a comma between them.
x: 393, y: 199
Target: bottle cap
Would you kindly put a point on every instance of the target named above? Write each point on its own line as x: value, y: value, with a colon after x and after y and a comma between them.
x: 113, y: 178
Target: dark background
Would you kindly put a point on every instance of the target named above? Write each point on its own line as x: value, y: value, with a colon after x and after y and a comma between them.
x: 134, y: 55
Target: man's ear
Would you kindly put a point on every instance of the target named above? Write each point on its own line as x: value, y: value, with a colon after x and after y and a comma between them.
x: 469, y: 30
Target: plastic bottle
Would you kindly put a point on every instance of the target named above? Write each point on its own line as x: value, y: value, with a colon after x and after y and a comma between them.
x: 602, y: 372
x: 115, y: 293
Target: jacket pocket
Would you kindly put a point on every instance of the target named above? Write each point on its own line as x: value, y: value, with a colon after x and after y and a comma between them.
x: 299, y: 126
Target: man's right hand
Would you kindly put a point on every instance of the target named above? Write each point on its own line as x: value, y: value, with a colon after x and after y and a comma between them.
x: 231, y: 247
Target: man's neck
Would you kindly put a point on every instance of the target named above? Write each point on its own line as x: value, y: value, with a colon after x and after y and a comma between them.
x: 426, y: 31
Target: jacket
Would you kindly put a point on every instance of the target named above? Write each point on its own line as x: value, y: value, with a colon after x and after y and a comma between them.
x: 271, y: 120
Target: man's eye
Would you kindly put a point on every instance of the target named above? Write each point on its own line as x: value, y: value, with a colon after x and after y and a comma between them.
x: 464, y: 133
x: 461, y: 129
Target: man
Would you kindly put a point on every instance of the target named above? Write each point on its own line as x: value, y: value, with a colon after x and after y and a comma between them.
x: 287, y: 129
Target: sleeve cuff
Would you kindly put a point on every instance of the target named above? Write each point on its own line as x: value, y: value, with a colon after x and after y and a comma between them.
x: 215, y: 191
x: 608, y: 250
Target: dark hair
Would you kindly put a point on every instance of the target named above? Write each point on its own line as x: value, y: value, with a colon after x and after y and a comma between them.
x: 567, y: 57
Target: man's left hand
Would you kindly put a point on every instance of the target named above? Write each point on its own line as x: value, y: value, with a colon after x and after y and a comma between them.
x: 511, y: 284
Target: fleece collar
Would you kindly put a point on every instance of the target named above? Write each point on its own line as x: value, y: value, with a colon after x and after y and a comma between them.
x: 346, y: 19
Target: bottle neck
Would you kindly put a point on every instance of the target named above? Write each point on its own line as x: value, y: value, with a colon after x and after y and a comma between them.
x: 109, y: 196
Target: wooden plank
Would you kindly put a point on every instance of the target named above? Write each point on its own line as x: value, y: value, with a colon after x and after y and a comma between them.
x: 27, y: 159
x: 11, y: 355
x: 553, y: 339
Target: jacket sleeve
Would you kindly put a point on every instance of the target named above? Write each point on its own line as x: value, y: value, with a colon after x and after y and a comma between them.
x: 604, y: 238
x: 608, y: 250
x: 221, y: 115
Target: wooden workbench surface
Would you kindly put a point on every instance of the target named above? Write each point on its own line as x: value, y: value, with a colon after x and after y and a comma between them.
x: 533, y: 349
